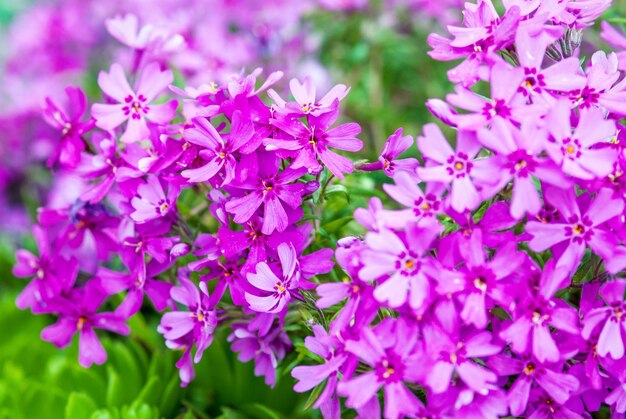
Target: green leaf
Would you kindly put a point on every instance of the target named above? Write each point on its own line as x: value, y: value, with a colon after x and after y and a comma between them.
x: 151, y: 392
x: 337, y: 189
x: 259, y: 411
x: 115, y: 389
x: 315, y: 394
x: 79, y: 406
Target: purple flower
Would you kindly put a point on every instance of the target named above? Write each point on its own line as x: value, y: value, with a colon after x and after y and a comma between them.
x: 422, y: 206
x: 506, y: 102
x: 518, y: 159
x: 604, y: 88
x: 449, y: 167
x: 529, y: 371
x: 267, y: 349
x: 271, y: 189
x: 107, y: 166
x: 134, y: 105
x: 563, y: 76
x: 66, y: 116
x: 616, y: 39
x: 392, y: 360
x: 308, y: 142
x: 484, y: 33
x: 151, y: 201
x: 53, y: 274
x: 304, y: 94
x: 138, y: 281
x: 481, y: 282
x: 77, y: 314
x: 574, y: 151
x: 217, y: 150
x: 608, y: 319
x: 274, y: 292
x: 193, y: 326
x: 577, y: 230
x: 326, y: 347
x: 537, y: 313
x: 455, y: 353
x: 406, y: 266
x: 388, y: 161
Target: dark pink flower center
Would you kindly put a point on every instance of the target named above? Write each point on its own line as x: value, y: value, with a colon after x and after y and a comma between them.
x: 135, y: 106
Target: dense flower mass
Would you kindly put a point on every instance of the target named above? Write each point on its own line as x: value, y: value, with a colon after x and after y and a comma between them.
x: 486, y: 281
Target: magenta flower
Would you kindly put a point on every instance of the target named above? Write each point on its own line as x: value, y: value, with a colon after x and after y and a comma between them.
x: 518, y: 159
x: 308, y: 142
x: 228, y: 274
x: 138, y: 281
x: 251, y: 238
x: 608, y: 319
x: 605, y: 87
x: 275, y: 292
x: 452, y: 353
x: 53, y: 274
x: 194, y: 326
x: 267, y: 348
x: 575, y: 151
x: 388, y: 161
x: 134, y: 106
x: 563, y: 76
x: 151, y: 201
x: 272, y: 190
x: 506, y: 102
x: 309, y: 376
x: 77, y: 314
x: 126, y: 30
x: 616, y: 39
x: 393, y: 361
x: 577, y: 230
x: 557, y: 385
x: 108, y: 167
x: 407, y: 265
x: 529, y: 333
x: 480, y: 282
x: 422, y: 206
x: 217, y: 150
x: 449, y: 167
x: 304, y: 94
x: 66, y: 116
x: 484, y: 33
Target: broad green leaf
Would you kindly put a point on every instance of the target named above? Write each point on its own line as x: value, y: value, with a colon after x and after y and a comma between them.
x: 79, y: 406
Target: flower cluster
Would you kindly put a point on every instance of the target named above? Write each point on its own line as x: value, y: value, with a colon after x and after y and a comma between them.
x: 491, y: 288
x: 49, y: 45
x: 250, y: 167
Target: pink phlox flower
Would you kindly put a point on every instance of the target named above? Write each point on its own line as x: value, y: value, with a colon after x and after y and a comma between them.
x: 617, y: 39
x: 403, y: 265
x: 151, y: 201
x: 579, y: 229
x: 313, y: 140
x: 518, y: 159
x: 218, y: 150
x: 455, y: 169
x: 134, y: 106
x: 530, y: 331
x: 66, y: 116
x: 78, y: 314
x: 575, y: 150
x: 275, y: 291
x: 390, y: 350
x: 305, y: 98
